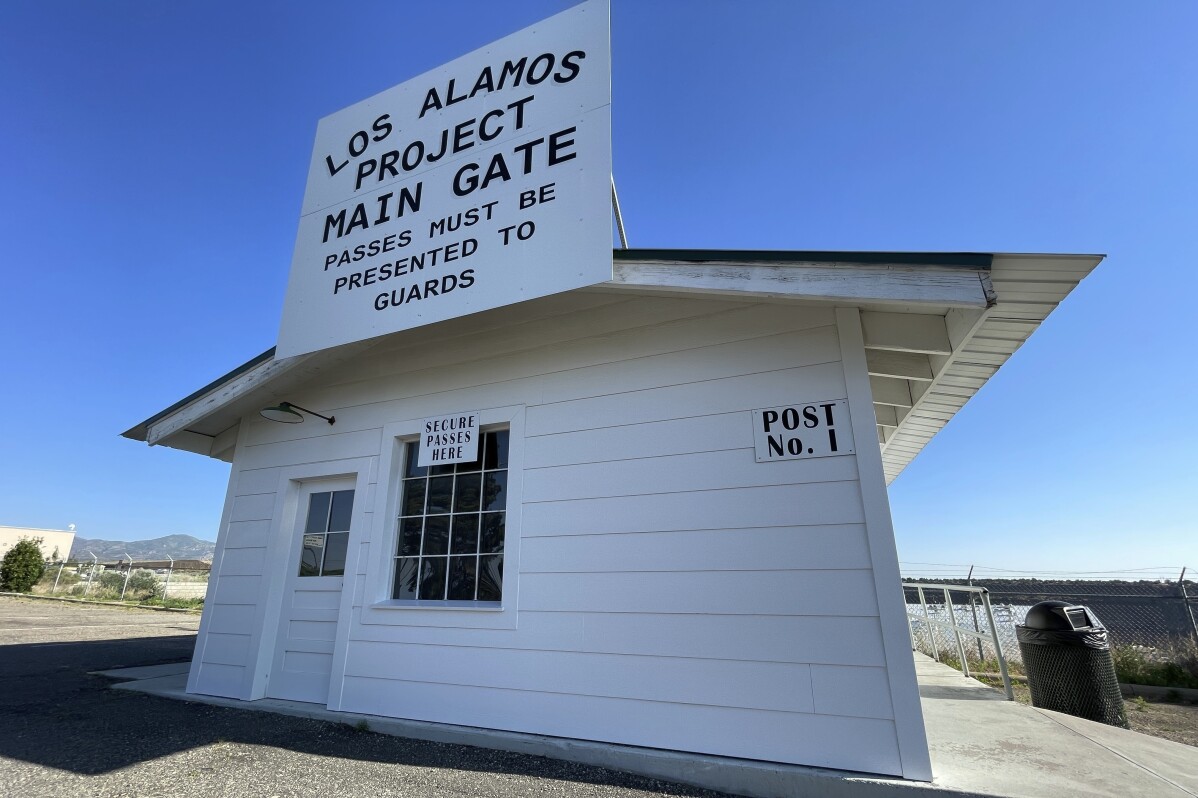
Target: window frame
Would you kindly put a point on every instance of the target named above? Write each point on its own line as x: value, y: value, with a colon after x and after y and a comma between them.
x: 479, y: 515
x: 377, y: 605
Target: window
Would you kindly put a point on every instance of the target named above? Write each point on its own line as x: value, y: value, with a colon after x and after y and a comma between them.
x: 326, y: 533
x: 452, y: 521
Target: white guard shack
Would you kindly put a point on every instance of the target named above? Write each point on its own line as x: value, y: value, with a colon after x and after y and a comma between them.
x: 654, y: 583
x: 636, y: 498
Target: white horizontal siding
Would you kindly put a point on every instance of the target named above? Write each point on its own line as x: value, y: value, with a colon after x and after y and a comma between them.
x: 231, y: 619
x: 215, y: 678
x: 777, y: 686
x: 257, y: 480
x: 227, y: 649
x: 683, y: 400
x: 242, y: 562
x: 854, y: 691
x: 254, y: 507
x: 764, y: 638
x: 816, y: 547
x: 669, y: 587
x: 685, y: 472
x: 736, y: 508
x: 247, y: 534
x: 713, y: 433
x: 237, y: 588
x: 820, y: 740
x: 729, y: 592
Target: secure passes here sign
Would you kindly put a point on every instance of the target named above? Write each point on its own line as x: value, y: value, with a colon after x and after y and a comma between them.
x: 480, y: 184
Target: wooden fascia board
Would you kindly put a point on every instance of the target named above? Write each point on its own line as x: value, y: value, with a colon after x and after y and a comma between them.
x: 932, y: 286
x: 218, y: 397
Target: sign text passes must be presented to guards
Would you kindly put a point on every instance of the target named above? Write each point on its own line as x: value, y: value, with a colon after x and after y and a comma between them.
x: 479, y: 184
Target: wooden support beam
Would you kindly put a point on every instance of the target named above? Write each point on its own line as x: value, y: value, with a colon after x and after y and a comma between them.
x: 906, y: 332
x: 885, y: 415
x: 224, y: 443
x: 190, y: 441
x: 891, y: 391
x: 903, y: 365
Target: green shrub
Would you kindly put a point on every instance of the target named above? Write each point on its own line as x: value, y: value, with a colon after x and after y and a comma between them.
x: 1171, y: 665
x: 111, y: 580
x: 65, y: 579
x: 78, y: 590
x: 143, y: 584
x: 22, y: 566
x: 177, y: 603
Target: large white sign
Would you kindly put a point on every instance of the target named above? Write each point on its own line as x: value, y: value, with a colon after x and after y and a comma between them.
x: 803, y: 430
x: 482, y: 183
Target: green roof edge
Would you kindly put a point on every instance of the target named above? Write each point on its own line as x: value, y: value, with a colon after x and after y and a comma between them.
x: 132, y: 432
x: 970, y: 260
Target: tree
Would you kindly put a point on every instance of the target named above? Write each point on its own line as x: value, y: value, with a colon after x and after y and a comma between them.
x: 22, y: 566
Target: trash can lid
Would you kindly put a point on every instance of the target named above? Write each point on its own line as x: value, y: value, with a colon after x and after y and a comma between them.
x: 1060, y: 616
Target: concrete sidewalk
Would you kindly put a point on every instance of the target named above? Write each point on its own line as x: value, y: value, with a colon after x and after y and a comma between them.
x: 981, y: 745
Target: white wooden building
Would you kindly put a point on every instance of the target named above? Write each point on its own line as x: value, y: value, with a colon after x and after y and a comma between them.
x: 54, y: 543
x: 617, y: 566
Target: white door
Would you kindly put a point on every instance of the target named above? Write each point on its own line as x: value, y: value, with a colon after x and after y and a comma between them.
x: 312, y: 593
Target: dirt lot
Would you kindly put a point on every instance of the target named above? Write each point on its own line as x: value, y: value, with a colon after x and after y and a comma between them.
x: 1176, y: 722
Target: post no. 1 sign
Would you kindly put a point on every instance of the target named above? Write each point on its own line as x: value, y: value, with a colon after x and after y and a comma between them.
x: 482, y: 183
x: 802, y: 430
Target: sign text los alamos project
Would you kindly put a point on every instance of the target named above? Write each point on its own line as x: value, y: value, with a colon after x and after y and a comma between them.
x: 542, y: 151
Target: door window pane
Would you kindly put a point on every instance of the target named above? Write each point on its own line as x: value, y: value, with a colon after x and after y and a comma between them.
x: 318, y: 514
x: 343, y: 506
x: 335, y: 545
x: 311, y: 554
x: 322, y: 553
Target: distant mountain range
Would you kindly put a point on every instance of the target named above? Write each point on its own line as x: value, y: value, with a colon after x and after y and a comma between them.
x: 181, y: 547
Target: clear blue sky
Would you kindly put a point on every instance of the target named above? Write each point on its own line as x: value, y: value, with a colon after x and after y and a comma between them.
x: 155, y: 157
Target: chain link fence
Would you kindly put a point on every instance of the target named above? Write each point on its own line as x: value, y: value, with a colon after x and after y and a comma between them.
x: 182, y: 583
x: 1146, y: 614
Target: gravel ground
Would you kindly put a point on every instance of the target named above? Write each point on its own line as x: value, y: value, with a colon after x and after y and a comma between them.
x: 64, y: 733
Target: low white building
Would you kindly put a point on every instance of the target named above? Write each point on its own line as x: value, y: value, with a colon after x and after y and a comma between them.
x: 54, y: 543
x: 632, y: 558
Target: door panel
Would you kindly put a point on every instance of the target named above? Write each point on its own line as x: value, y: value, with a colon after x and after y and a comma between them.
x: 311, y: 598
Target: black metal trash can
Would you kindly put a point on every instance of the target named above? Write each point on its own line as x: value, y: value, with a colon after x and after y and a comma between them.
x: 1067, y: 658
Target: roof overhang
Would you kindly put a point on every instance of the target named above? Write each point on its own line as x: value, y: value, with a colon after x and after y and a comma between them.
x: 936, y: 327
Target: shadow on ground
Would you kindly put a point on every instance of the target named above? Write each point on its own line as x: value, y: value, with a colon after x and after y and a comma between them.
x: 55, y: 714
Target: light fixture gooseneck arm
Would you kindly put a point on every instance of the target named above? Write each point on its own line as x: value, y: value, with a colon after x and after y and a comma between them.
x: 329, y: 419
x: 285, y: 412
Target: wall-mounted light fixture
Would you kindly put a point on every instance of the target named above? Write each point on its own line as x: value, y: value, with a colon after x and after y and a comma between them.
x: 284, y: 412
